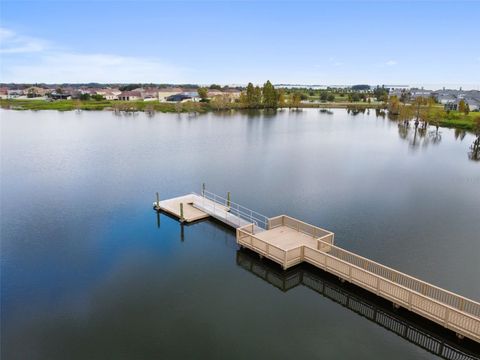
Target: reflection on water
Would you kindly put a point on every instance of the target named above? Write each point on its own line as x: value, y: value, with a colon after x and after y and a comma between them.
x: 409, y: 326
x: 87, y: 264
x: 419, y: 134
x: 474, y: 153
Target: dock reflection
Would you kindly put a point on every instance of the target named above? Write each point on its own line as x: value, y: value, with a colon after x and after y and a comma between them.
x: 413, y: 328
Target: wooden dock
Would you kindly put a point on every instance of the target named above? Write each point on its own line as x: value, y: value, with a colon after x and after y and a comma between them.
x: 288, y: 242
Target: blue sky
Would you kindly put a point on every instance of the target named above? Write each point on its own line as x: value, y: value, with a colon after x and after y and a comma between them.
x: 383, y: 42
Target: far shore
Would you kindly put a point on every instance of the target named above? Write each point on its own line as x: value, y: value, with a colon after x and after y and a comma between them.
x: 453, y: 119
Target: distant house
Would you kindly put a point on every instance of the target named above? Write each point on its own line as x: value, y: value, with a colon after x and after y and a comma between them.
x: 130, y: 96
x: 150, y: 95
x: 60, y: 96
x: 35, y: 91
x: 109, y: 94
x: 446, y: 98
x: 449, y: 106
x: 14, y: 93
x: 185, y: 96
x: 229, y: 95
x: 420, y: 93
x: 3, y: 93
x: 213, y: 93
x: 178, y: 97
x: 164, y: 93
x: 233, y: 93
x: 473, y: 104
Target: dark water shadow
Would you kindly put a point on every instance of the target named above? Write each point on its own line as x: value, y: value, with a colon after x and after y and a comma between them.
x: 411, y: 327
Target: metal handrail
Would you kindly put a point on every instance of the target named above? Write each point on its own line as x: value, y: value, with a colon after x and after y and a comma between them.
x: 237, y: 209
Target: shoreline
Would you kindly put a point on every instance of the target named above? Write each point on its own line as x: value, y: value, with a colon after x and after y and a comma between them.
x: 453, y: 120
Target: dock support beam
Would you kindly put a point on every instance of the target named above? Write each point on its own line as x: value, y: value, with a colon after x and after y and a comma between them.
x: 182, y: 218
x: 158, y: 199
x: 228, y: 199
x: 203, y: 189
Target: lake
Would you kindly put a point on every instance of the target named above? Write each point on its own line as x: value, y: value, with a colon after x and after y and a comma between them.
x: 89, y: 271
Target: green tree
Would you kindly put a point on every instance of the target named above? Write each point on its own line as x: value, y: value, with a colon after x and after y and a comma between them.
x: 281, y: 98
x: 462, y: 106
x: 295, y: 100
x: 394, y: 105
x: 324, y: 96
x: 250, y: 95
x: 203, y: 93
x: 270, y: 98
x: 331, y: 97
x: 97, y: 97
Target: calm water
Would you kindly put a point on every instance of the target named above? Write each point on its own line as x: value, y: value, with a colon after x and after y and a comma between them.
x: 88, y: 271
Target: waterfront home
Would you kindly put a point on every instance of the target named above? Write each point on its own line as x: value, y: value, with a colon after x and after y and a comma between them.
x: 420, y: 93
x: 149, y: 94
x: 233, y: 93
x: 60, y: 95
x: 35, y: 91
x: 178, y: 97
x: 164, y: 93
x: 446, y: 98
x: 473, y: 104
x: 109, y: 94
x: 213, y: 93
x: 130, y: 96
x: 14, y: 93
x: 229, y: 94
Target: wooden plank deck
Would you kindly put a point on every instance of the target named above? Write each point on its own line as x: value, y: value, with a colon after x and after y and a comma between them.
x: 172, y: 206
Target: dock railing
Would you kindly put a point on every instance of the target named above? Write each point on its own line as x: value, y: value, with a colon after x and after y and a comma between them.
x: 307, y: 229
x: 453, y: 311
x: 240, y: 211
x: 450, y: 310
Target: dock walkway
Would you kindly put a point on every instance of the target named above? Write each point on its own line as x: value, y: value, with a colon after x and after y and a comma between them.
x: 288, y: 242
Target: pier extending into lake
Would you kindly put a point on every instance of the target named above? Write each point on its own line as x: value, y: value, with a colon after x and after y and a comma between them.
x: 288, y: 242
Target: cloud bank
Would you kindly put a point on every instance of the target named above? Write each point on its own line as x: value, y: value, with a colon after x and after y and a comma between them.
x: 27, y: 59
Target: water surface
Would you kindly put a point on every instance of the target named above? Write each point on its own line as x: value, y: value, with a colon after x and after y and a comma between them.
x: 89, y: 271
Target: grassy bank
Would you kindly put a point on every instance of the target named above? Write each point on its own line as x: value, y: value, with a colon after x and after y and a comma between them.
x: 452, y: 119
x: 68, y: 105
x: 457, y: 120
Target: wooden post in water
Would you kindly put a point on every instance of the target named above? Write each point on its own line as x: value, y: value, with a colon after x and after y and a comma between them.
x: 158, y: 200
x: 182, y: 218
x: 203, y: 189
x: 228, y: 199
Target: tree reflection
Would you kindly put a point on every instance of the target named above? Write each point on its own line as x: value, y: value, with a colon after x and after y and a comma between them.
x: 460, y: 134
x: 355, y: 111
x: 474, y: 153
x: 418, y: 133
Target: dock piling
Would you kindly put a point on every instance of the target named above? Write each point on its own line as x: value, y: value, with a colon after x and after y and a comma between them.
x: 158, y: 199
x: 182, y: 218
x: 203, y: 189
x: 228, y: 199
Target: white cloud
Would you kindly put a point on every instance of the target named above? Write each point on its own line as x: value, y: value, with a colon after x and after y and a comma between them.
x: 12, y: 43
x: 57, y: 67
x: 46, y: 63
x: 391, y: 63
